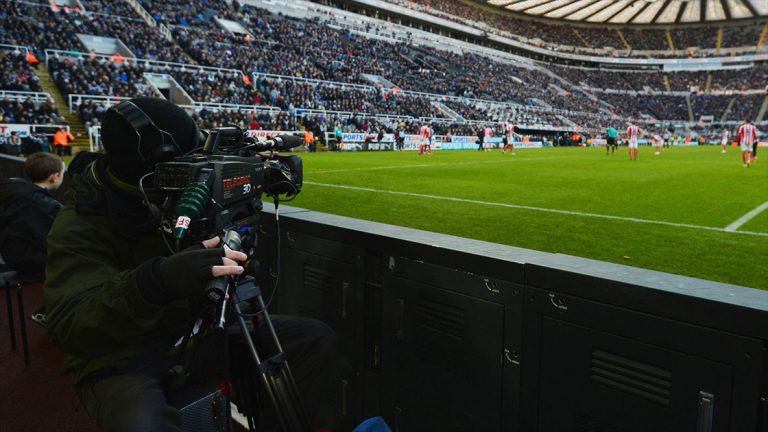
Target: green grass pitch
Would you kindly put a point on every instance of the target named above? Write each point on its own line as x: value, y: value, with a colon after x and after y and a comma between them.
x: 674, y: 212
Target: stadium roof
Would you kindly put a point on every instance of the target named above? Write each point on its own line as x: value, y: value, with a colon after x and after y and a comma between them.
x: 638, y: 11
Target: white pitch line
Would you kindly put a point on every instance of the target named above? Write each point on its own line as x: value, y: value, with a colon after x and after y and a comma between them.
x: 387, y: 167
x: 540, y: 209
x: 747, y: 217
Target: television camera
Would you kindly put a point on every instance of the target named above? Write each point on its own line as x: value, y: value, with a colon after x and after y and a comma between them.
x: 222, y: 187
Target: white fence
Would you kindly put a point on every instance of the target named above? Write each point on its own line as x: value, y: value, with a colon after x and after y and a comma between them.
x: 147, y: 63
x: 23, y: 95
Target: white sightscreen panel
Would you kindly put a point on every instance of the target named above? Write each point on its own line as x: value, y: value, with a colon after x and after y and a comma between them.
x: 559, y: 13
x: 692, y: 12
x: 589, y: 10
x: 548, y: 7
x: 609, y: 11
x: 670, y: 13
x: 648, y: 13
x: 715, y: 11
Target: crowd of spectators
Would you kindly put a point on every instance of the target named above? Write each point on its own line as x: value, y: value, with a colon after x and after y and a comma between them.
x: 746, y: 107
x: 325, y: 53
x: 705, y: 105
x: 98, y: 77
x: 737, y: 35
x: 110, y: 7
x: 189, y: 13
x: 750, y: 78
x: 309, y: 49
x: 300, y: 48
x: 611, y: 79
x: 27, y: 111
x: 17, y: 74
x: 598, y: 37
x: 526, y: 116
x: 647, y: 39
x: 660, y: 107
x: 701, y: 37
x: 41, y: 27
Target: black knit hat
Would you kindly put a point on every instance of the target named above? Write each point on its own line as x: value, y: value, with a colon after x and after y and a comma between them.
x: 121, y: 141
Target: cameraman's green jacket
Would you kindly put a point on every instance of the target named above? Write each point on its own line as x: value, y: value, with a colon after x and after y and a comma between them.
x: 96, y: 313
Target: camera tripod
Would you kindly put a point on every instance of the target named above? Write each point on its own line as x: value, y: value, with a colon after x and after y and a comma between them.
x: 277, y: 381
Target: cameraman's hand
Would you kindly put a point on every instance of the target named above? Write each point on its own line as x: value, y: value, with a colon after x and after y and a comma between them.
x: 186, y: 274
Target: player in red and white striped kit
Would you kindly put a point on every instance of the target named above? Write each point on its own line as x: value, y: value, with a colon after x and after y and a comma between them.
x: 747, y: 137
x: 509, y: 138
x: 425, y: 137
x: 633, y: 135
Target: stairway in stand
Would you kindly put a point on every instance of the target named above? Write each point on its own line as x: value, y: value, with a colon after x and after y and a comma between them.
x: 76, y: 125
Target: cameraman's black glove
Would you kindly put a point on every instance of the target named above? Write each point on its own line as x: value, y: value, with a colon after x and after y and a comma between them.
x: 186, y: 274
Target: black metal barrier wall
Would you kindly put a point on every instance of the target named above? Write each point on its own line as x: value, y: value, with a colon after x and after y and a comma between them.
x: 440, y: 333
x: 11, y: 166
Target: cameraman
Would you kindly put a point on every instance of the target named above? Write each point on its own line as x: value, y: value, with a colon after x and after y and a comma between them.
x: 118, y: 302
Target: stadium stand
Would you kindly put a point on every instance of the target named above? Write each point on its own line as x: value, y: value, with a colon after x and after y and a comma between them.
x: 21, y: 97
x: 255, y: 71
x: 110, y: 7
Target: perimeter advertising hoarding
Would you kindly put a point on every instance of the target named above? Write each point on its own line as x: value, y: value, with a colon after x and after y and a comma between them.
x: 354, y: 142
x: 23, y: 130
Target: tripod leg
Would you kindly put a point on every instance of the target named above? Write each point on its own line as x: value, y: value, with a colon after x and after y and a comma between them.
x: 289, y: 389
x: 279, y: 387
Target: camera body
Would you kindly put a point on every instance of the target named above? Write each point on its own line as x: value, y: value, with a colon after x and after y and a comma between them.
x: 222, y: 187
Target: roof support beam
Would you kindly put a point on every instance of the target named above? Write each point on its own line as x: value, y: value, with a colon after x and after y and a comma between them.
x: 703, y: 11
x: 752, y: 10
x: 726, y: 9
x: 661, y: 11
x: 681, y: 12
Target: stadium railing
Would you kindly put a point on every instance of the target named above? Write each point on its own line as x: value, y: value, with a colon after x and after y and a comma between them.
x: 15, y: 48
x: 313, y: 81
x: 76, y: 99
x: 214, y: 106
x: 348, y: 114
x: 23, y: 95
x: 142, y: 61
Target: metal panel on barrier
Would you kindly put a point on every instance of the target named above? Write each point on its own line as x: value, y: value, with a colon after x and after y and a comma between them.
x: 324, y: 280
x: 448, y: 345
x: 600, y: 366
